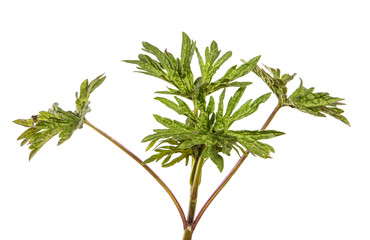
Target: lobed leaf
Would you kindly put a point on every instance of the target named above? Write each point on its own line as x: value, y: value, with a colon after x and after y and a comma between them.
x: 305, y: 100
x: 176, y: 160
x: 219, y: 63
x: 220, y: 111
x: 164, y: 59
x: 187, y: 52
x: 234, y: 73
x: 185, y: 109
x: 47, y: 124
x: 213, y: 63
x: 317, y: 104
x: 181, y: 107
x: 234, y: 100
x: 82, y: 99
x: 211, y: 152
x: 174, y: 71
x: 178, y: 72
x: 275, y: 83
x: 249, y: 140
x: 249, y: 108
x: 171, y: 124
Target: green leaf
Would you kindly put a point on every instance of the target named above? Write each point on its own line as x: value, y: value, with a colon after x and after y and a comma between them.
x: 185, y: 109
x: 86, y: 88
x: 150, y: 67
x: 249, y: 108
x: 168, y: 68
x: 220, y: 111
x: 201, y: 62
x: 170, y: 104
x: 181, y: 107
x: 234, y: 73
x: 163, y: 59
x: 317, y: 104
x: 234, y: 100
x: 255, y: 134
x: 156, y: 157
x: 83, y: 87
x: 219, y: 63
x: 212, y: 53
x: 178, y: 72
x: 171, y: 124
x: 223, y: 122
x: 167, y: 152
x: 173, y: 92
x: 46, y: 125
x: 249, y: 140
x: 212, y: 64
x: 200, y: 100
x: 175, y: 130
x: 211, y: 106
x: 276, y: 83
x: 151, y: 144
x: 212, y: 153
x: 175, y: 160
x: 25, y: 122
x: 238, y: 84
x: 305, y: 100
x: 246, y: 68
x: 220, y: 124
x: 187, y: 52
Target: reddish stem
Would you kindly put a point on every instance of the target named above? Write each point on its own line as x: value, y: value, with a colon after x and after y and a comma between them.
x: 148, y: 169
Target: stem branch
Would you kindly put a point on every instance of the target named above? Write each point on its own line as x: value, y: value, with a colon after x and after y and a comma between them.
x: 232, y: 172
x: 148, y: 169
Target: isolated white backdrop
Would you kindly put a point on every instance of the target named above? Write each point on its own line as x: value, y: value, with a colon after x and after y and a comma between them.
x: 315, y: 187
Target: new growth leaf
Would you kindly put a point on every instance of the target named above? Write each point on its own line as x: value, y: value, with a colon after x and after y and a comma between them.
x: 178, y: 73
x: 44, y: 126
x: 303, y: 99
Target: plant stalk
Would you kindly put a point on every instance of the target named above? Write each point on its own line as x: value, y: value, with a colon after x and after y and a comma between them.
x: 188, y: 233
x: 148, y: 169
x: 232, y: 172
x: 195, y: 182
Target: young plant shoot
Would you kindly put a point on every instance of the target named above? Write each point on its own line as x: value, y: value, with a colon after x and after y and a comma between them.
x: 204, y: 129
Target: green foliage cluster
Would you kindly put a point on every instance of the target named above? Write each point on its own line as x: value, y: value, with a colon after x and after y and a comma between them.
x: 209, y: 129
x: 205, y: 127
x: 47, y: 124
x: 178, y: 73
x: 206, y: 131
x: 302, y: 98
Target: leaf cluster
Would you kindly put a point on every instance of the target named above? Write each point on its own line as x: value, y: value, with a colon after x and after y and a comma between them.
x: 211, y: 129
x: 317, y: 104
x: 44, y: 126
x: 275, y: 82
x: 178, y: 73
x: 303, y: 99
x: 206, y: 130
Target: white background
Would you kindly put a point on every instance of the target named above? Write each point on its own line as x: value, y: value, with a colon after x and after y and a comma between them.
x: 316, y: 186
